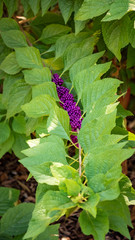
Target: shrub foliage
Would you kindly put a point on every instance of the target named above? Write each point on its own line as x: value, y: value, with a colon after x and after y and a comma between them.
x: 76, y: 42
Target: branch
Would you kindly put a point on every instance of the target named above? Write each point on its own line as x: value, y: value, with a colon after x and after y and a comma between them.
x: 25, y: 20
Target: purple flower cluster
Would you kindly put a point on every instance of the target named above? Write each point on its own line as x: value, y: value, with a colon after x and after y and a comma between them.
x: 68, y: 104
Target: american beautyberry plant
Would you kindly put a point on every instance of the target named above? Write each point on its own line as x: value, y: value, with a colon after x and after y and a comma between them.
x: 59, y: 90
x: 99, y: 190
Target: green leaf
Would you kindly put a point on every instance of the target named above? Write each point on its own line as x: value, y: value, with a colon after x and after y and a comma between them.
x: 105, y: 140
x: 103, y: 110
x: 127, y: 190
x: 106, y: 187
x: 48, y: 88
x: 1, y: 9
x: 73, y: 188
x: 4, y: 51
x: 42, y: 174
x: 40, y: 150
x: 90, y: 9
x: 66, y: 8
x: 108, y: 162
x: 42, y: 189
x: 26, y: 7
x: 55, y: 200
x: 77, y: 51
x: 4, y: 132
x: 98, y: 226
x: 62, y: 43
x: 53, y: 64
x: 51, y: 233
x: 84, y: 63
x: 102, y: 92
x: 130, y: 57
x: 94, y: 130
x: 54, y: 152
x: 46, y: 139
x: 40, y: 222
x: 122, y: 112
x: 8, y: 197
x: 65, y: 41
x: 91, y: 204
x: 41, y: 128
x: 39, y: 106
x: 30, y: 38
x: 11, y: 6
x: 19, y: 144
x: 116, y: 35
x: 79, y: 25
x: 7, y: 24
x: 8, y: 87
x: 132, y: 32
x: 88, y: 76
x: 34, y: 5
x: 2, y: 107
x: 20, y: 95
x: 37, y: 76
x: 68, y: 179
x: 15, y: 221
x: 48, y: 18
x: 39, y: 166
x: 6, y: 146
x: 14, y: 38
x: 28, y: 57
x: 19, y: 124
x: 52, y: 32
x: 118, y: 9
x: 118, y: 214
x: 120, y: 130
x: 5, y: 237
x: 98, y: 111
x: 58, y: 123
x: 45, y: 4
x: 63, y: 172
x: 10, y: 65
x: 31, y: 125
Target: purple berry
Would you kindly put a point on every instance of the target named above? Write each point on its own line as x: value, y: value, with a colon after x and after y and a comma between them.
x: 67, y: 96
x: 69, y: 105
x: 57, y: 80
x: 61, y: 91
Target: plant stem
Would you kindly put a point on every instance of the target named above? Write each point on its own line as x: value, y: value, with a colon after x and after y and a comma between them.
x: 73, y: 144
x: 80, y: 158
x: 71, y: 89
x: 72, y: 158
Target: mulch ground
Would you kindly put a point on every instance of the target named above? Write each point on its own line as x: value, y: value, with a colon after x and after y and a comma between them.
x: 13, y: 174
